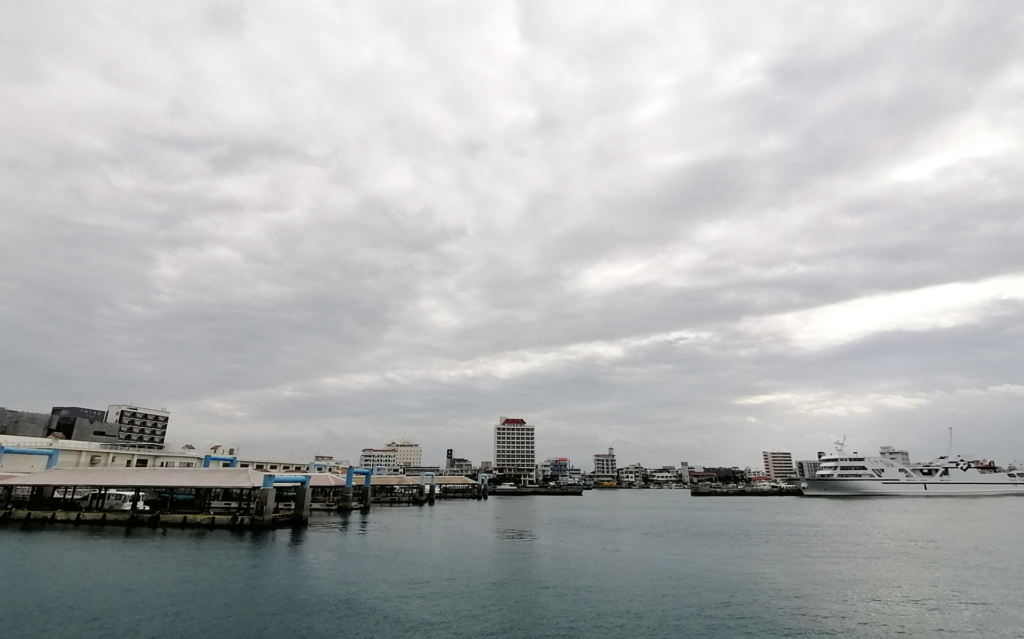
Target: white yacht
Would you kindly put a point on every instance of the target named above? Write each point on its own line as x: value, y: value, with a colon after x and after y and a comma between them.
x: 849, y: 475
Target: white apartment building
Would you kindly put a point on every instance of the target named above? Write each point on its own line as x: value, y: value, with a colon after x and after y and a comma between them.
x: 778, y: 465
x: 898, y: 456
x: 409, y: 453
x: 633, y: 475
x: 514, y: 444
x: 141, y: 427
x: 805, y: 468
x: 383, y: 461
x: 604, y: 467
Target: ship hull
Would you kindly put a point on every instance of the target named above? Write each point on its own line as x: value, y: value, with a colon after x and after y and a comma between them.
x: 881, y: 488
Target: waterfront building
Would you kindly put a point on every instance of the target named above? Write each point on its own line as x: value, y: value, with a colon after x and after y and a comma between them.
x: 664, y: 475
x: 416, y: 471
x: 458, y: 466
x: 139, y: 427
x: 514, y: 443
x: 84, y: 454
x: 890, y: 453
x: 605, y: 471
x: 805, y: 468
x: 408, y: 453
x: 383, y: 461
x: 778, y: 465
x: 702, y: 477
x: 633, y: 475
x: 554, y: 469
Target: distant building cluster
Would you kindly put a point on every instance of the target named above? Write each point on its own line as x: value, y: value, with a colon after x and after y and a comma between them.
x: 120, y: 424
x: 134, y: 436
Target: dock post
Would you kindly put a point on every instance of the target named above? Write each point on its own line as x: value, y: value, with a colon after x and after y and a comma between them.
x: 368, y: 493
x: 302, y: 502
x: 266, y: 501
x: 345, y: 503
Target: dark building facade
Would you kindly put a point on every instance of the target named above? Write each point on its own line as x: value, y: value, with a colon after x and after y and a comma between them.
x: 81, y: 424
x: 22, y: 424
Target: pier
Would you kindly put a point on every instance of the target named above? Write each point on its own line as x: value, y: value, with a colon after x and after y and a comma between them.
x: 208, y: 497
x: 212, y: 497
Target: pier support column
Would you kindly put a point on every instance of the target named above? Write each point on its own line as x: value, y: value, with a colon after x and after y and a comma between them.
x: 368, y: 493
x: 432, y: 494
x: 302, y: 501
x: 345, y: 502
x: 265, y: 503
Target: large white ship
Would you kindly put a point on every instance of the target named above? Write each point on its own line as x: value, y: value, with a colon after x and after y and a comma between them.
x: 851, y: 475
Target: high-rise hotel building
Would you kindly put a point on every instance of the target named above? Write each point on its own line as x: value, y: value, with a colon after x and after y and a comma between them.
x: 604, y: 467
x: 407, y: 453
x: 514, y: 449
x: 778, y: 465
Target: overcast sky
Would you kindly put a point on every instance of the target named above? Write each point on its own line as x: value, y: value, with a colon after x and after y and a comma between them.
x: 690, y: 231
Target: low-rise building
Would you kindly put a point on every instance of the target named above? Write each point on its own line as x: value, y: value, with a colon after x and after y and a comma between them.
x: 458, y: 466
x: 664, y: 475
x: 633, y: 475
x: 75, y: 454
x: 702, y: 477
x: 553, y: 469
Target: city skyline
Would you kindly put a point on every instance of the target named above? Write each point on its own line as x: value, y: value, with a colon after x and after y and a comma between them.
x: 654, y: 228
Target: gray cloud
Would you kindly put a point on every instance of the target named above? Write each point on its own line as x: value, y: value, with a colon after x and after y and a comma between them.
x: 690, y: 232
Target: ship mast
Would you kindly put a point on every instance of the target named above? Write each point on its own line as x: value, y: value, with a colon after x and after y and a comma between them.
x: 950, y: 453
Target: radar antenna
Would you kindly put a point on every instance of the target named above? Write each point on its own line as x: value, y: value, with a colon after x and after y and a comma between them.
x: 840, y: 444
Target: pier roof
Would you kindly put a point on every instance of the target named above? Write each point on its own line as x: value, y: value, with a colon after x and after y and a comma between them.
x: 142, y: 478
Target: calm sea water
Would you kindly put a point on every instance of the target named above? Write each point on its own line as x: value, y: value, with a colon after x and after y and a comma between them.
x: 608, y: 564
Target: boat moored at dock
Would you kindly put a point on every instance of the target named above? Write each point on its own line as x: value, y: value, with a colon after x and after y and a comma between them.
x: 852, y: 475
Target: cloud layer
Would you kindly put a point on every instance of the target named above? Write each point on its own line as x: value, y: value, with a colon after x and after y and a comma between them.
x: 686, y: 231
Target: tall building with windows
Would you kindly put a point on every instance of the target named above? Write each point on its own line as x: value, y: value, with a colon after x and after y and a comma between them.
x: 407, y: 452
x: 604, y: 467
x: 778, y: 465
x: 139, y: 427
x: 514, y: 454
x: 383, y: 461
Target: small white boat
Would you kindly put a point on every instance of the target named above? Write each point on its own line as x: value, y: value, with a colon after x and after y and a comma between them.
x: 115, y: 500
x: 506, y: 488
